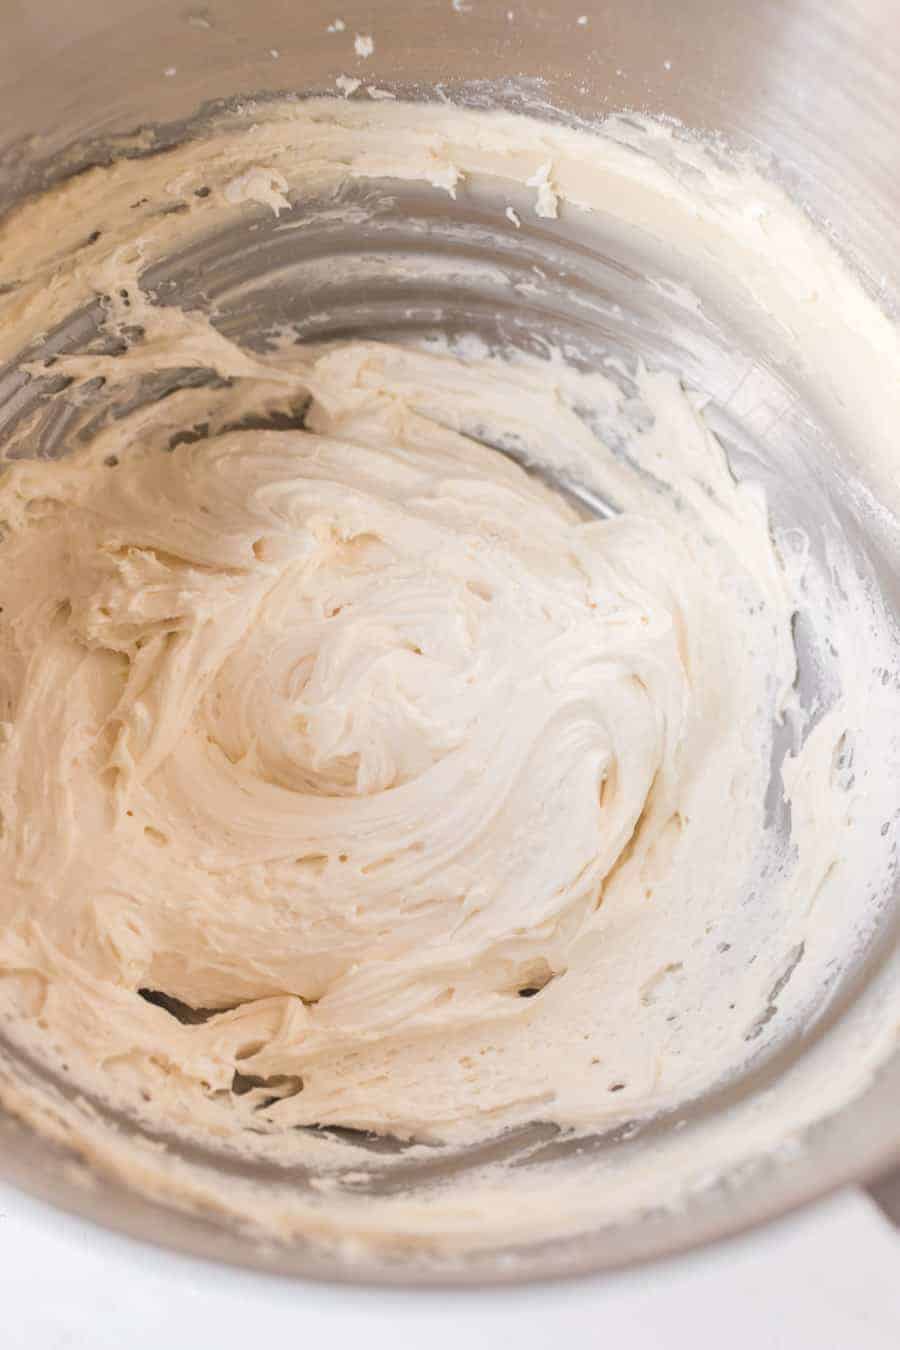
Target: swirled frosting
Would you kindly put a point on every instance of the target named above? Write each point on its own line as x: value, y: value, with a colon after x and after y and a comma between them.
x: 367, y: 720
x: 352, y: 773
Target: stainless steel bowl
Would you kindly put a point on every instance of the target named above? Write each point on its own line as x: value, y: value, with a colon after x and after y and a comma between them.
x: 817, y: 87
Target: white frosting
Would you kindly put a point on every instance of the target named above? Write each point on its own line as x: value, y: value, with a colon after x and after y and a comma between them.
x: 265, y: 186
x: 547, y: 202
x: 350, y: 734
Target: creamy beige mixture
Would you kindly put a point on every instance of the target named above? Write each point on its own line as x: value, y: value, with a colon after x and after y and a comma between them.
x: 354, y: 776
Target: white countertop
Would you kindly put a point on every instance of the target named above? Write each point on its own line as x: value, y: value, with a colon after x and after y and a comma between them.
x: 826, y: 1280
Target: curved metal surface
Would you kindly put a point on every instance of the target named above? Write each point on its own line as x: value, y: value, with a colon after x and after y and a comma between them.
x: 763, y: 75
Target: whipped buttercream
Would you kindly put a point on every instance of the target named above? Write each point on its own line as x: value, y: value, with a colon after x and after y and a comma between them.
x: 352, y: 775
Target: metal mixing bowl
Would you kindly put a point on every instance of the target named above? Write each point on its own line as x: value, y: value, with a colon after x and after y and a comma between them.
x: 818, y: 87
